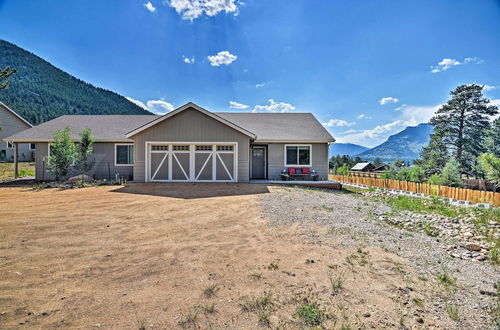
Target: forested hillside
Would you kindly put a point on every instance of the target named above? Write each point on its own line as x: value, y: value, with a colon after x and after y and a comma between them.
x: 38, y: 91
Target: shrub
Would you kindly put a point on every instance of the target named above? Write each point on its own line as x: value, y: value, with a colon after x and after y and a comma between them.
x: 62, y: 154
x: 343, y: 170
x: 451, y: 174
x: 311, y: 313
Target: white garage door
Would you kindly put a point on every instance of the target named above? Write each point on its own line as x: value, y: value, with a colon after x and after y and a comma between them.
x: 191, y: 162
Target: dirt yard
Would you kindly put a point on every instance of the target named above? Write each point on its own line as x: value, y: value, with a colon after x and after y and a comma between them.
x: 192, y: 256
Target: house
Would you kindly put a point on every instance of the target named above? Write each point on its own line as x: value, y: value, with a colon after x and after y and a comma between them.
x: 11, y: 123
x: 382, y: 168
x: 363, y: 167
x: 192, y: 144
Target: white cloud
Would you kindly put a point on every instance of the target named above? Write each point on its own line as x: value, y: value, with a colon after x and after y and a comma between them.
x: 408, y: 116
x: 487, y: 88
x: 447, y: 63
x: 274, y: 107
x: 149, y: 6
x: 386, y: 100
x: 188, y: 60
x: 495, y: 102
x: 192, y: 9
x: 222, y: 57
x: 260, y: 85
x: 363, y: 116
x: 236, y: 105
x: 337, y: 123
x: 155, y: 106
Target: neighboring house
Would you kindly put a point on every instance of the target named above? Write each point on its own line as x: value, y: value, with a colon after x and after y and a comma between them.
x: 11, y: 123
x: 192, y: 144
x: 363, y: 167
x: 382, y: 168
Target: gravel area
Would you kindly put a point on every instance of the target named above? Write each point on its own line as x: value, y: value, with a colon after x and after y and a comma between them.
x: 354, y: 220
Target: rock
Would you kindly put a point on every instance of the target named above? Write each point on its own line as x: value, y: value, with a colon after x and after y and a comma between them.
x: 468, y: 234
x: 488, y: 293
x: 420, y: 320
x: 367, y: 315
x: 480, y: 258
x: 84, y: 177
x: 473, y: 247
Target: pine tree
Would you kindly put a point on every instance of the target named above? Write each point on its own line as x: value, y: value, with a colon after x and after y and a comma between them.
x: 492, y: 138
x: 459, y: 127
x: 434, y: 156
x: 4, y: 74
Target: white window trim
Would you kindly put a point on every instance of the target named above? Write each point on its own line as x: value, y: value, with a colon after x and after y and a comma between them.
x: 11, y: 143
x: 298, y: 145
x: 30, y: 146
x: 123, y: 144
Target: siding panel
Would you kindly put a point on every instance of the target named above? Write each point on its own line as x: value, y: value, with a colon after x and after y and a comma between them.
x: 276, y: 162
x: 191, y: 126
x: 10, y: 124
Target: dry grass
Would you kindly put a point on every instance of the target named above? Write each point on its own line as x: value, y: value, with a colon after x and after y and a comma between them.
x: 26, y: 169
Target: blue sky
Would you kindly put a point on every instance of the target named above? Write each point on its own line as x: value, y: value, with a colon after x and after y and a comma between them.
x: 366, y: 69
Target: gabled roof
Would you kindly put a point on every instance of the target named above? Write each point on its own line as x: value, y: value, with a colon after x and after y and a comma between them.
x: 104, y: 127
x: 262, y: 127
x: 186, y: 106
x: 15, y: 114
x: 361, y: 166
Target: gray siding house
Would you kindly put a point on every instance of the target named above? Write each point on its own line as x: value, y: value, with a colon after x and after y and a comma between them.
x: 191, y: 144
x: 11, y: 123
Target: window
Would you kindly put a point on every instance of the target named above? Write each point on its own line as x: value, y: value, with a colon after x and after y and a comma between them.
x: 297, y: 155
x: 181, y: 148
x: 32, y: 146
x: 159, y: 148
x: 204, y: 148
x: 10, y: 145
x: 124, y: 154
x: 224, y: 148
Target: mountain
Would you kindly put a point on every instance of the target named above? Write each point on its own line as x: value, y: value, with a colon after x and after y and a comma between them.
x: 349, y: 149
x: 39, y: 91
x: 405, y: 145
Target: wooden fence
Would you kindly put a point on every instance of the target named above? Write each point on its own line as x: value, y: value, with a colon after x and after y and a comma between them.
x: 474, y: 196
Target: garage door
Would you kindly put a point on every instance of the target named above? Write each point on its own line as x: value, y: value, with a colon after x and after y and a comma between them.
x: 192, y: 162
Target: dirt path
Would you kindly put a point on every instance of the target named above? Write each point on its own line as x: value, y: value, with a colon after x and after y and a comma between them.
x: 152, y: 255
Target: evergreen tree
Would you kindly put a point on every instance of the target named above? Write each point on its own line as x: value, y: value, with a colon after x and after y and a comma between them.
x: 492, y: 138
x: 378, y: 162
x: 434, y: 156
x: 4, y: 74
x: 460, y: 124
x: 83, y: 162
x: 62, y: 154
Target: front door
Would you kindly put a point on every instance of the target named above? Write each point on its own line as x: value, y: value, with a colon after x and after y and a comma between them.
x: 258, y: 162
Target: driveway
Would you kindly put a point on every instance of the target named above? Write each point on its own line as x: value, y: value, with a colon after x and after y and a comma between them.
x: 185, y: 255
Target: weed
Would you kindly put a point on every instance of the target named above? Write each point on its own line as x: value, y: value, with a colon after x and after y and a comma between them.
x: 495, y: 255
x: 264, y: 318
x: 256, y: 276
x: 208, y: 309
x: 453, y: 312
x: 253, y: 304
x: 190, y: 320
x: 336, y: 282
x: 210, y: 290
x: 446, y: 280
x: 311, y: 314
x: 494, y: 310
x: 273, y: 266
x: 418, y: 301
